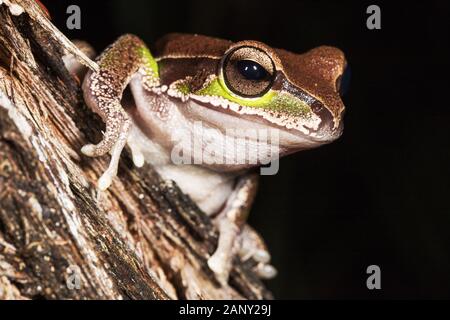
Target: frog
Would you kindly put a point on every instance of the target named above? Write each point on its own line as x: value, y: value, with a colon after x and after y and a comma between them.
x: 146, y: 96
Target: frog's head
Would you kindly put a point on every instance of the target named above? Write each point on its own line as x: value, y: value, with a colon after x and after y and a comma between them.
x: 296, y: 93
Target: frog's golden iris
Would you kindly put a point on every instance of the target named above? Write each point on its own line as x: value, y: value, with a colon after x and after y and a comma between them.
x: 248, y: 71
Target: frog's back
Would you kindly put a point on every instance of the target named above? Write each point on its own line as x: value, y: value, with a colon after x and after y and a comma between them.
x: 183, y: 45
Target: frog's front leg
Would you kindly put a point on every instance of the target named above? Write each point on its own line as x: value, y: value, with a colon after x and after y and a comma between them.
x: 103, y: 93
x: 234, y: 236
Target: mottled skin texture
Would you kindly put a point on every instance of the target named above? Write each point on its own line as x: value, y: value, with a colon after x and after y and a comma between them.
x: 193, y: 78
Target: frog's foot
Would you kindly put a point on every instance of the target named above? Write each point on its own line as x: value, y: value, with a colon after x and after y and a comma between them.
x: 129, y: 135
x: 248, y: 244
x: 253, y: 246
x: 114, y: 141
x: 230, y: 222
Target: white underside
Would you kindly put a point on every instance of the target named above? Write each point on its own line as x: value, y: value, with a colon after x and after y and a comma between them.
x: 158, y: 126
x: 209, y: 189
x: 211, y: 141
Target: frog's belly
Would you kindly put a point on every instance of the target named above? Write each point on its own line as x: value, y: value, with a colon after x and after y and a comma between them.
x: 208, y: 189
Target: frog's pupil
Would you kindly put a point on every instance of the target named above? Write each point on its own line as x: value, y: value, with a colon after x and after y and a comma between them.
x: 251, y: 70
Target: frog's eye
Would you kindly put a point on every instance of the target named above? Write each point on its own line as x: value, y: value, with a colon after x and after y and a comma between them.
x: 248, y: 71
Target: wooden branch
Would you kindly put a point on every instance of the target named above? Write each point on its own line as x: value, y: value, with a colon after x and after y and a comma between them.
x: 60, y: 238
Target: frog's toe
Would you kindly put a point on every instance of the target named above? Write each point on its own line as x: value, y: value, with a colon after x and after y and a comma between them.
x: 89, y: 150
x: 266, y: 271
x: 138, y: 159
x: 136, y: 153
x: 253, y: 247
x: 97, y: 150
x: 261, y: 255
x: 105, y: 180
x: 220, y: 266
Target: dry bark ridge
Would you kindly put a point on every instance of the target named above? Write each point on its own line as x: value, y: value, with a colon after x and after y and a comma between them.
x: 60, y: 238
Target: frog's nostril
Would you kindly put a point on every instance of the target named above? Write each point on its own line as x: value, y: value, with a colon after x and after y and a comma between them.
x: 343, y: 82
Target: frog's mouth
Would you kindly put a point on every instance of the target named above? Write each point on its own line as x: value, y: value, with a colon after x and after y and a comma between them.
x: 233, y: 118
x: 239, y: 117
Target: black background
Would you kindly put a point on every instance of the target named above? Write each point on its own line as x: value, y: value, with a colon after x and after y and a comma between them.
x: 380, y: 194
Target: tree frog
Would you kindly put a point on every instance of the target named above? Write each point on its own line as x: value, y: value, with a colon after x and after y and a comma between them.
x: 226, y: 87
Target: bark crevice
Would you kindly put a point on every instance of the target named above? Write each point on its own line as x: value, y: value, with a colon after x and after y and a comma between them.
x: 59, y: 237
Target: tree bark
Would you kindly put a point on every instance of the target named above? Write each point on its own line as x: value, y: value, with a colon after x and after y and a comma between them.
x: 61, y: 238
